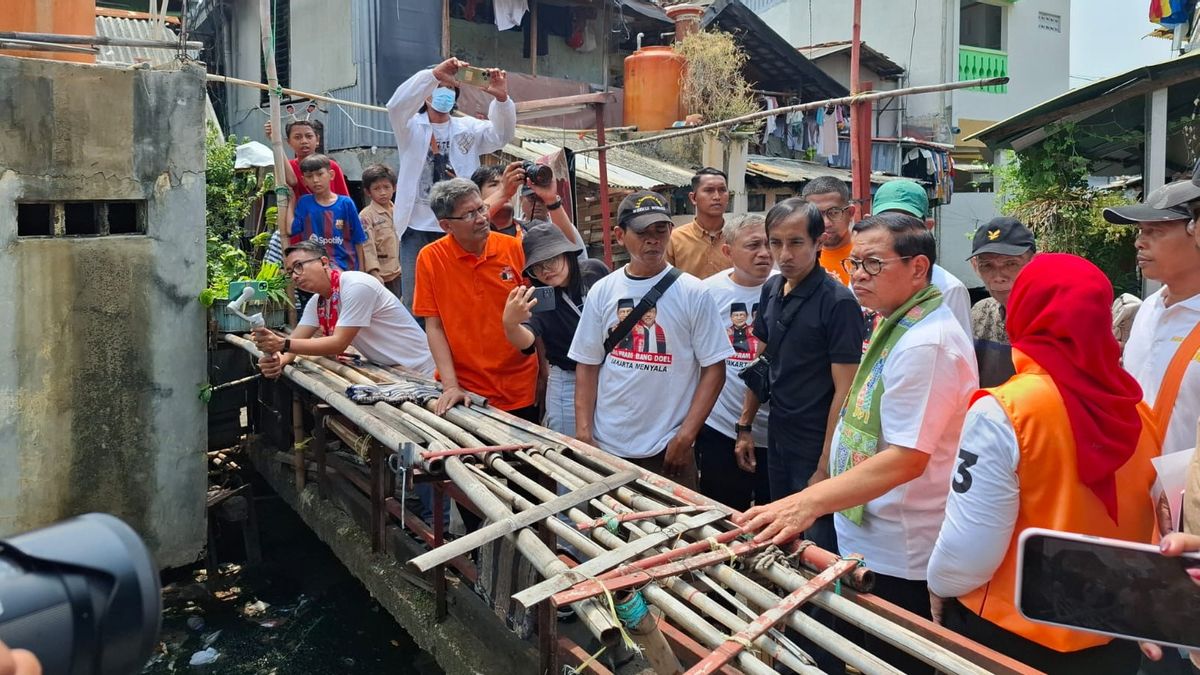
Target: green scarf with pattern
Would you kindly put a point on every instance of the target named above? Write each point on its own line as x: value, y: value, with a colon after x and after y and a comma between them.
x: 861, y: 421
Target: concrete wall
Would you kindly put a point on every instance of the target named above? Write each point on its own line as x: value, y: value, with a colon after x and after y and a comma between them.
x: 957, y: 222
x: 928, y: 54
x: 1038, y: 63
x: 102, y: 343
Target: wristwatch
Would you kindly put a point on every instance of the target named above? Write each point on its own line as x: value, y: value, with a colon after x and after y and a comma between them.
x: 556, y: 205
x: 743, y: 428
x: 287, y: 345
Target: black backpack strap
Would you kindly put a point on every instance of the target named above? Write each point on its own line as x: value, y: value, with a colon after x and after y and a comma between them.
x: 648, y: 301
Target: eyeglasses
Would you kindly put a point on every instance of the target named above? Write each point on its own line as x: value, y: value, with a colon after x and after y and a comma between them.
x: 835, y: 212
x: 538, y: 268
x: 299, y: 266
x: 871, y: 266
x: 478, y: 213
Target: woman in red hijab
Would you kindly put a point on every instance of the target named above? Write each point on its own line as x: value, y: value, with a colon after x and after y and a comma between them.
x: 1064, y: 444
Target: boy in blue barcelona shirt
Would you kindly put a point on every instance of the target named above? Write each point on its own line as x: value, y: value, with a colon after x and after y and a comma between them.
x: 327, y: 218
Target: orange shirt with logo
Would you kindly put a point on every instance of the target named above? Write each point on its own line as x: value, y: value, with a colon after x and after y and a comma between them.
x: 831, y: 260
x: 467, y: 293
x: 1053, y: 497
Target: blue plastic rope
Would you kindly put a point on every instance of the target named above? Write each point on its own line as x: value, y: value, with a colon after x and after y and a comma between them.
x: 632, y: 611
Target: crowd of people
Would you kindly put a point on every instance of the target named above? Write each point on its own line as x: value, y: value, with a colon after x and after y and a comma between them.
x: 815, y: 369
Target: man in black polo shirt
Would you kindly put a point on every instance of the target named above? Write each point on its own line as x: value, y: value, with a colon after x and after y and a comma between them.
x: 819, y: 350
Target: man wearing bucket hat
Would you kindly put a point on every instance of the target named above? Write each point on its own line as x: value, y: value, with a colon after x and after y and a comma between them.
x: 906, y: 196
x: 1164, y: 343
x: 551, y: 260
x: 999, y: 251
x: 648, y: 405
x: 434, y: 146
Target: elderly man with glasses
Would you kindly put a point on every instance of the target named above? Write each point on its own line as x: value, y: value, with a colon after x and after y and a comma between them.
x: 463, y: 282
x: 346, y: 309
x: 894, y: 446
x: 1000, y: 250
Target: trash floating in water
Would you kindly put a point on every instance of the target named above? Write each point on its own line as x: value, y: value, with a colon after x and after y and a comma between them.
x: 195, y: 623
x: 204, y: 657
x: 210, y: 638
x: 255, y: 608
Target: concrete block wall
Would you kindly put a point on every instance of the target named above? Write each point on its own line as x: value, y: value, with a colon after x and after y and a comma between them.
x: 102, y: 341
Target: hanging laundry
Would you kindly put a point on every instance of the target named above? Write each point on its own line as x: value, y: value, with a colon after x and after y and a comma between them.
x: 795, y: 130
x: 509, y: 13
x: 770, y: 126
x: 829, y: 136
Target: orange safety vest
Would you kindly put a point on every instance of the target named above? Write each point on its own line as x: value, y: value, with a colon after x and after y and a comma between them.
x: 1053, y: 497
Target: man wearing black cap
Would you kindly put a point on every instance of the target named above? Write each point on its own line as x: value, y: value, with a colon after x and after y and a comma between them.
x: 637, y: 401
x: 1168, y: 322
x: 1002, y: 248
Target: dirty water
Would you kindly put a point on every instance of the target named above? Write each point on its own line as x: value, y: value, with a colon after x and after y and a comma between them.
x: 300, y: 612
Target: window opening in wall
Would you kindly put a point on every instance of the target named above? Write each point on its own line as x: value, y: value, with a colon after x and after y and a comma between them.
x: 981, y: 25
x: 81, y: 219
x: 125, y: 218
x: 756, y: 203
x: 35, y: 220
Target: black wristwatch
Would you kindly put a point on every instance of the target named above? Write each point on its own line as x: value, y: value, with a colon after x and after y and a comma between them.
x: 287, y: 345
x: 743, y: 428
x: 555, y: 205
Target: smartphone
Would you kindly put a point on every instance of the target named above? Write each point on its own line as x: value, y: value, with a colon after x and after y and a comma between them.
x: 471, y: 75
x: 545, y: 298
x: 1109, y: 587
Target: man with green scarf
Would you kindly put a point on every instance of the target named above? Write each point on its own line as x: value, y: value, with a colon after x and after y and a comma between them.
x: 896, y: 442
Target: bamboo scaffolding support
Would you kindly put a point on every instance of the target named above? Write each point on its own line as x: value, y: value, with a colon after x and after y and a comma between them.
x: 597, y: 619
x: 731, y: 647
x: 643, y: 508
x: 36, y: 46
x: 508, y: 525
x: 812, y: 105
x: 608, y: 560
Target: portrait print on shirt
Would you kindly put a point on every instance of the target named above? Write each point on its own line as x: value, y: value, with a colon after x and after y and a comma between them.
x: 645, y: 346
x: 741, y: 331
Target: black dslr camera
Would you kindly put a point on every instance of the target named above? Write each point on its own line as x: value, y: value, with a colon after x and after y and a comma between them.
x: 83, y: 595
x: 538, y: 174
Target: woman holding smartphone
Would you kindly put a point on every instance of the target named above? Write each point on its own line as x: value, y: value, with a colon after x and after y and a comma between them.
x: 551, y: 262
x: 1064, y: 444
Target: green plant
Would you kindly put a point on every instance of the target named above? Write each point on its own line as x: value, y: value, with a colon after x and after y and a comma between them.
x: 1045, y: 187
x: 230, y: 195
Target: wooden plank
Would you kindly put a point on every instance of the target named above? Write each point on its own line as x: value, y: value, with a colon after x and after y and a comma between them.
x: 606, y: 561
x: 525, y: 518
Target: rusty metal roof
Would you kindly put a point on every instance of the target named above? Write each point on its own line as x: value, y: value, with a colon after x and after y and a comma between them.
x: 626, y: 169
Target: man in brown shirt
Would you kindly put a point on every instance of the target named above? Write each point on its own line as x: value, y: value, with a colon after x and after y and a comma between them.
x: 382, y: 250
x: 695, y: 248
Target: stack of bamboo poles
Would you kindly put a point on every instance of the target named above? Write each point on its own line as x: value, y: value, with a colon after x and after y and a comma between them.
x: 639, y: 538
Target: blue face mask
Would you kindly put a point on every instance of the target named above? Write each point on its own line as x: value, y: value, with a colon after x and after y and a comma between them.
x: 442, y: 100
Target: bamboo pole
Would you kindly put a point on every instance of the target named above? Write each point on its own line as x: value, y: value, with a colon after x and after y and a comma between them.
x: 508, y: 525
x: 843, y: 100
x: 282, y: 192
x: 597, y: 619
x: 96, y: 40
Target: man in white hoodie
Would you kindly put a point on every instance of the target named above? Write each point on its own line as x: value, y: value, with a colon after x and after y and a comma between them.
x: 433, y: 146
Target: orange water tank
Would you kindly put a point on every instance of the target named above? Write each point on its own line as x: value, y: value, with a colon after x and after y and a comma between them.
x: 68, y: 17
x: 652, y: 82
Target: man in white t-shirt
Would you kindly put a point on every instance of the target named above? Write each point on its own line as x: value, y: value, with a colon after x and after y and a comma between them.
x: 906, y: 196
x: 737, y: 292
x: 646, y: 400
x: 1167, y: 253
x: 346, y: 309
x: 895, y: 444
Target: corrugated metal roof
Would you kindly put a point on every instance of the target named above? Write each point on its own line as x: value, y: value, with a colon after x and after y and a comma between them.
x: 138, y: 29
x: 871, y: 58
x: 784, y: 170
x: 625, y: 168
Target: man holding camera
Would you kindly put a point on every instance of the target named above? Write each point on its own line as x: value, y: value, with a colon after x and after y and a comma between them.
x: 499, y: 184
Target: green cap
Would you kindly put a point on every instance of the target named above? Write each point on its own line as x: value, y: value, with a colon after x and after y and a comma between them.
x: 901, y: 195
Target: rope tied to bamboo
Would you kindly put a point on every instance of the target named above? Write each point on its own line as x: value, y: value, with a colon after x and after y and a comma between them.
x: 714, y: 545
x: 612, y: 523
x: 859, y: 562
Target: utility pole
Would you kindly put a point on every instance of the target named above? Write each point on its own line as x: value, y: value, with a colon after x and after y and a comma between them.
x: 860, y: 122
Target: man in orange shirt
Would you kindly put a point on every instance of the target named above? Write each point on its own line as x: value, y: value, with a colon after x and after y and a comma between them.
x: 696, y: 248
x: 462, y: 283
x: 832, y: 197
